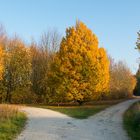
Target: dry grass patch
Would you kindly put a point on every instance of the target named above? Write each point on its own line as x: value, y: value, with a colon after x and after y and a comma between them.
x: 8, y: 111
x: 11, y: 121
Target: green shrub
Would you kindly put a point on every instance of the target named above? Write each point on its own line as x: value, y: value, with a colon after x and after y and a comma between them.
x: 136, y: 121
x: 132, y: 121
x: 21, y: 96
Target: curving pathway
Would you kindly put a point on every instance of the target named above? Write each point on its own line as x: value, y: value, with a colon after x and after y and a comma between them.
x: 45, y: 124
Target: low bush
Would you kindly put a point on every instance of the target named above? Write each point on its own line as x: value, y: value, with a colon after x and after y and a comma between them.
x: 22, y: 96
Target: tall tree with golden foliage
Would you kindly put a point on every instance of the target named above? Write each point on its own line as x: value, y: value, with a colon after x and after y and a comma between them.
x: 81, y: 69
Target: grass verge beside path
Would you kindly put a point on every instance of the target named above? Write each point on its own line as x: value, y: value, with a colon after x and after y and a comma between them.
x: 132, y: 121
x: 11, y: 122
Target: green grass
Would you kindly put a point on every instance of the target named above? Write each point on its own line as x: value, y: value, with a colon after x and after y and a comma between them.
x: 12, y: 124
x: 132, y: 121
x: 79, y: 112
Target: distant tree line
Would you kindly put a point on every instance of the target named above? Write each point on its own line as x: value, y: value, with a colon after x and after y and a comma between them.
x: 55, y: 70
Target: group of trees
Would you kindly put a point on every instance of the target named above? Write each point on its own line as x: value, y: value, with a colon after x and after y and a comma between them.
x: 16, y: 69
x: 55, y: 70
x: 122, y: 82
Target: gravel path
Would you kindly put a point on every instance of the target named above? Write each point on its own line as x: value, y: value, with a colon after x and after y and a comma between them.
x: 44, y: 124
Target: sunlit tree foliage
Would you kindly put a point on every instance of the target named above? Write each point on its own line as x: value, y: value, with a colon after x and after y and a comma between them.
x: 81, y: 69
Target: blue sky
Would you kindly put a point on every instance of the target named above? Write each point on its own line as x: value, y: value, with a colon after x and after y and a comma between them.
x: 115, y: 22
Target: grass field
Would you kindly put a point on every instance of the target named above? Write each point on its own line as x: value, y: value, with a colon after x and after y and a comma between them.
x: 81, y: 112
x: 132, y: 121
x: 11, y: 122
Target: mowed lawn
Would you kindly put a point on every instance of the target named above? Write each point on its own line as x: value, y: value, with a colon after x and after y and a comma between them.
x: 84, y: 111
x: 79, y: 112
x: 132, y: 121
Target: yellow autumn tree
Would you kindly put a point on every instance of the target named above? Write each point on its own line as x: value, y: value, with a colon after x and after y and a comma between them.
x: 81, y: 69
x: 17, y: 70
x: 103, y: 76
x: 1, y: 62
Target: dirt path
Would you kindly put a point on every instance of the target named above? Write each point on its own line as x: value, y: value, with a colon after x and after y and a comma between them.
x: 45, y: 124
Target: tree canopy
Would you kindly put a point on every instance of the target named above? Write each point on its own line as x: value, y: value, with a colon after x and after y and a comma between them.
x: 81, y: 69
